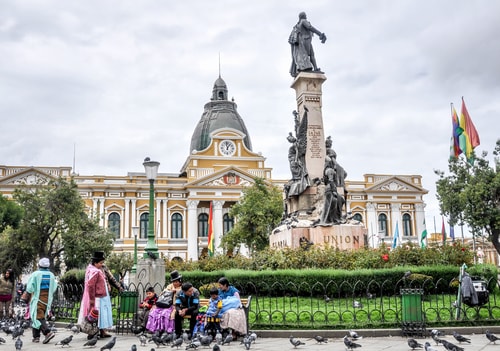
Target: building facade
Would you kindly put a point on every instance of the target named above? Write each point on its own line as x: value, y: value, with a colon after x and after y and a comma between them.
x: 219, y: 166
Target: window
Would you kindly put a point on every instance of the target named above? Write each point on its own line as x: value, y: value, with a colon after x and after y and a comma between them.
x: 114, y: 224
x: 358, y: 217
x: 144, y: 225
x: 407, y: 225
x: 382, y: 224
x: 228, y: 223
x: 176, y: 226
x: 203, y: 225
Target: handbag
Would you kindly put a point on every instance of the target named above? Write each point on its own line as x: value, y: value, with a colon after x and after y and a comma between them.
x: 165, y: 300
x: 89, y: 328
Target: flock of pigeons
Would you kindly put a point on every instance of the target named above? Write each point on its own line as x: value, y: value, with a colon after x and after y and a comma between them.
x: 351, y: 341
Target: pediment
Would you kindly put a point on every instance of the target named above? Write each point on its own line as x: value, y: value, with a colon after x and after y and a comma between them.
x: 395, y: 184
x: 28, y: 176
x: 227, y: 177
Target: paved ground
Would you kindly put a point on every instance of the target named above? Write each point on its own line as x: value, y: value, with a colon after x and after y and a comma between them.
x: 272, y: 341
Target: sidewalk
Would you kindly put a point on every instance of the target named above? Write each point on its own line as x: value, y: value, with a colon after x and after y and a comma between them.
x: 275, y: 341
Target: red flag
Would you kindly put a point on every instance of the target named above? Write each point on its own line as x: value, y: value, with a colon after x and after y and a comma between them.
x: 210, y: 233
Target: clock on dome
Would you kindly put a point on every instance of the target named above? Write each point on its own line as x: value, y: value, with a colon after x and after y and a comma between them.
x: 227, y: 147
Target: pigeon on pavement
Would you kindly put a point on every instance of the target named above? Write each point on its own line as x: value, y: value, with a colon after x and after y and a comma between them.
x: 491, y: 337
x: 133, y: 347
x: 110, y: 344
x: 92, y: 342
x: 295, y: 342
x: 450, y: 346
x: 460, y: 338
x: 428, y: 347
x: 247, y: 342
x: 253, y: 336
x: 227, y: 340
x: 18, y: 344
x: 65, y: 342
x: 319, y: 339
x: 350, y: 344
x: 143, y: 339
x: 216, y: 347
x: 354, y: 335
x: 414, y: 344
x: 177, y: 342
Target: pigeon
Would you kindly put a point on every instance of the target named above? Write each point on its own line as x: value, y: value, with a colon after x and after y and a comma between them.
x: 75, y: 329
x: 206, y: 340
x: 92, y: 342
x: 143, y: 339
x: 227, y: 340
x: 177, y: 342
x: 491, y: 337
x: 327, y: 299
x: 414, y: 344
x: 350, y: 344
x: 110, y: 344
x: 166, y: 338
x: 19, y: 344
x: 354, y: 335
x: 195, y: 343
x: 319, y: 339
x: 247, y: 342
x: 357, y: 304
x: 156, y: 339
x: 65, y: 341
x: 133, y: 347
x: 253, y: 336
x: 437, y: 332
x: 2, y: 340
x: 428, y: 347
x: 70, y: 325
x: 185, y: 336
x: 218, y: 338
x: 450, y: 347
x: 296, y: 342
x: 460, y: 338
x: 436, y: 338
x: 407, y: 275
x: 216, y: 348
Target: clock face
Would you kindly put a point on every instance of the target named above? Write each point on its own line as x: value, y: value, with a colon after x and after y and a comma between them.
x: 227, y: 147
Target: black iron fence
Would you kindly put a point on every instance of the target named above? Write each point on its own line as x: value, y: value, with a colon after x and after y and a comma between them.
x: 283, y: 305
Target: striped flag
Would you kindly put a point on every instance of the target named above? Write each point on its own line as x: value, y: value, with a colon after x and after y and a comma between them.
x: 456, y: 131
x: 396, y: 237
x: 470, y: 136
x: 211, y: 250
x: 423, y: 237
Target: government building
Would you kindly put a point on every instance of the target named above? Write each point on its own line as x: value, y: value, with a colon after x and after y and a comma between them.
x: 221, y: 163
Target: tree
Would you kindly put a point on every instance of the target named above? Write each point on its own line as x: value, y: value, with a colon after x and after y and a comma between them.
x: 120, y: 263
x: 257, y: 213
x: 55, y: 225
x: 10, y: 213
x: 471, y: 194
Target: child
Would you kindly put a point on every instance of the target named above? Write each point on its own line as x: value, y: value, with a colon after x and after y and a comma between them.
x: 212, y: 315
x: 145, y: 307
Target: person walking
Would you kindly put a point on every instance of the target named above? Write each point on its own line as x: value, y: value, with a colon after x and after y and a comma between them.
x: 96, y: 295
x: 7, y: 293
x: 41, y: 286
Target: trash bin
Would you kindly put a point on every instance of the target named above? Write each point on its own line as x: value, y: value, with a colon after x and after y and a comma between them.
x: 129, y: 302
x: 411, y: 305
x: 412, y: 319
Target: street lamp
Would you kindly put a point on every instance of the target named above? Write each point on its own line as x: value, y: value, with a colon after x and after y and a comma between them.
x: 135, y: 230
x: 151, y: 167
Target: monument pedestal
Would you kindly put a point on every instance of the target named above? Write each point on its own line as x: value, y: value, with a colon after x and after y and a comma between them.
x: 149, y: 272
x: 342, y: 237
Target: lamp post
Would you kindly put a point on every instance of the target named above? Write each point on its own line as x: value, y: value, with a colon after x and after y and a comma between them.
x: 151, y: 168
x: 135, y: 230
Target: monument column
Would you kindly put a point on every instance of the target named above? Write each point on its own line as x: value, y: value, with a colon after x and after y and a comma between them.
x: 217, y: 224
x: 192, y: 229
x: 307, y: 86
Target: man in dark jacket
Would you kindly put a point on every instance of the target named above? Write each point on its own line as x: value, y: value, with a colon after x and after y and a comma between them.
x: 186, y: 304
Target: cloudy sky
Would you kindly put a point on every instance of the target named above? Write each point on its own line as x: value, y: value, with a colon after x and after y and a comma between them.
x: 126, y: 79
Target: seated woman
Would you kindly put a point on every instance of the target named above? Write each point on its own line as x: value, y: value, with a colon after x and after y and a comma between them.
x: 162, y: 319
x: 232, y: 315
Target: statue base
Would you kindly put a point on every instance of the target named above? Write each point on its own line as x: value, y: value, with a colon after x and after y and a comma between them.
x: 342, y: 237
x: 149, y: 272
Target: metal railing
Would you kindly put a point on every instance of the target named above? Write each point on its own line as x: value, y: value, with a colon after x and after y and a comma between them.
x: 282, y: 305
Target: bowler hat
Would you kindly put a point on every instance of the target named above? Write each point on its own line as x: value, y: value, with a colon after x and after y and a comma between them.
x: 174, y: 275
x: 98, y: 256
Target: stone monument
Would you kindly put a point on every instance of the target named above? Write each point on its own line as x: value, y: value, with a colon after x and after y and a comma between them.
x: 316, y: 194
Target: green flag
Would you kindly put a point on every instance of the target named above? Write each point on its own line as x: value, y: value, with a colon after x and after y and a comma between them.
x: 423, y: 237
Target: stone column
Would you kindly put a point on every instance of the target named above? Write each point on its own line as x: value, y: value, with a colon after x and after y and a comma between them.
x: 372, y: 225
x: 396, y: 217
x: 126, y: 220
x: 419, y: 220
x: 217, y: 224
x: 192, y: 233
x: 308, y: 93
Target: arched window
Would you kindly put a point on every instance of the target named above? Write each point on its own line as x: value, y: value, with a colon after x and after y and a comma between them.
x: 358, y: 217
x: 228, y: 223
x: 407, y: 225
x: 203, y: 225
x: 382, y: 224
x: 114, y: 224
x: 176, y: 226
x: 144, y: 225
